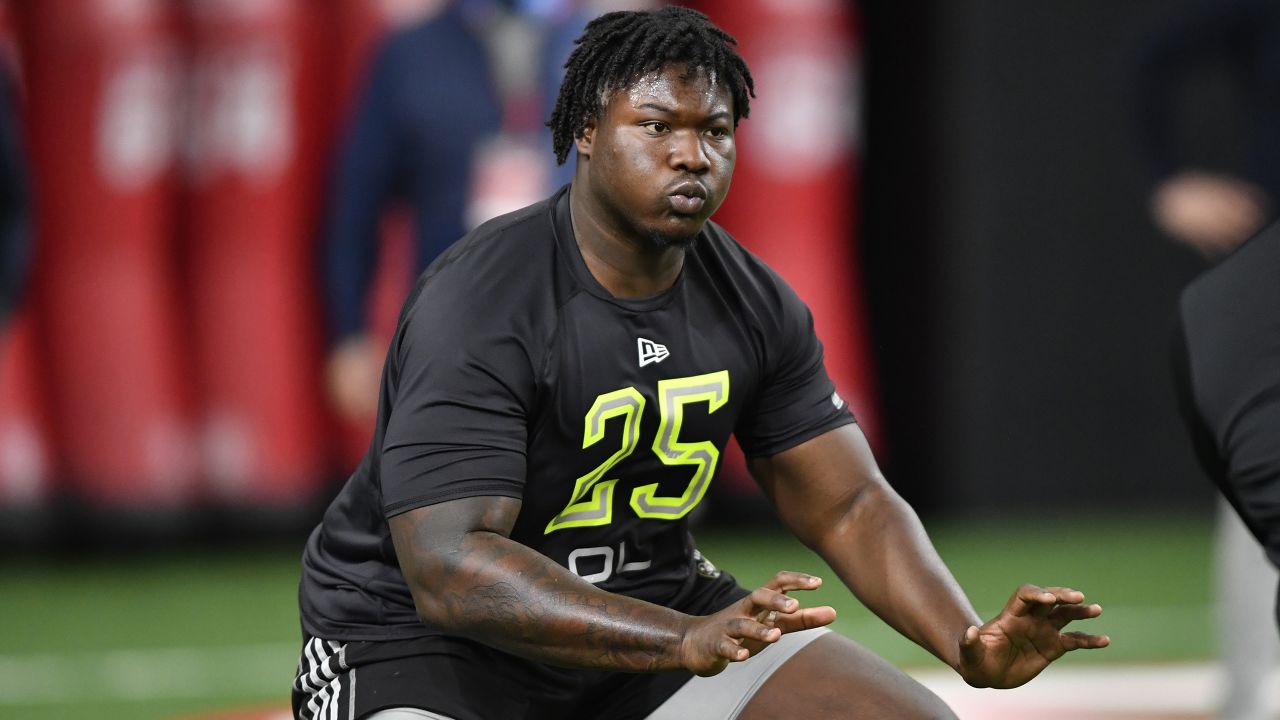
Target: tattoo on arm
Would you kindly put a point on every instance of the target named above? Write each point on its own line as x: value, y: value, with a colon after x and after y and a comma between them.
x: 467, y: 577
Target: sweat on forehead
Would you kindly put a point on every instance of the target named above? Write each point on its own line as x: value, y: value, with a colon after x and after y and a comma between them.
x: 658, y: 83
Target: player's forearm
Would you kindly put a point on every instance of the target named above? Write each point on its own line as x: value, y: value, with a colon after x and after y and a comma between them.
x: 882, y: 552
x: 492, y: 589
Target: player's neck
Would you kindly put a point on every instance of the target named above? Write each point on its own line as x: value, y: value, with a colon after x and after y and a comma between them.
x: 627, y: 267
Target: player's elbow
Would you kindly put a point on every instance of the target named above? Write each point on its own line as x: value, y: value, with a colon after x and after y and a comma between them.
x: 450, y: 578
x: 431, y: 574
x: 430, y: 568
x: 448, y: 550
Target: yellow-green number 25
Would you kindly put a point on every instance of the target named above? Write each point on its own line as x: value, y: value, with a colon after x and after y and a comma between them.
x: 592, y: 501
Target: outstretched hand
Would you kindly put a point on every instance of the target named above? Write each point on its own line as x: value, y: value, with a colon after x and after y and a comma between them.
x: 751, y: 624
x: 1026, y: 636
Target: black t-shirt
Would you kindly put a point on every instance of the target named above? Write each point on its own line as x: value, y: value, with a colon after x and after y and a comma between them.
x: 514, y: 373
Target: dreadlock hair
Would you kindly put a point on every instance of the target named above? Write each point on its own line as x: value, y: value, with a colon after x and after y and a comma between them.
x: 619, y: 48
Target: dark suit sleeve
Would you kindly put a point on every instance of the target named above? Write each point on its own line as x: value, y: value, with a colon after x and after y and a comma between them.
x: 364, y: 180
x: 1252, y: 469
x: 15, y: 210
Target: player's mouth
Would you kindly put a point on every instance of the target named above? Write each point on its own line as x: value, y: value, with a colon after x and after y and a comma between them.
x: 688, y: 198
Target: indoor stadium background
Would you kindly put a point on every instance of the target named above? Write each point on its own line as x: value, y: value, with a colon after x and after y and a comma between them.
x: 958, y: 189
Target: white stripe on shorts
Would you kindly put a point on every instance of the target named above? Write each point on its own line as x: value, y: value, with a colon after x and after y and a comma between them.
x: 313, y: 688
x: 319, y: 676
x: 333, y: 701
x: 351, y: 692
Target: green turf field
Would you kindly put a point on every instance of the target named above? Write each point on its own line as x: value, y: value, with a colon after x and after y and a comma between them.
x: 164, y: 636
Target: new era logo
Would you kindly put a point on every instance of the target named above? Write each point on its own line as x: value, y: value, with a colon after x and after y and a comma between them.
x: 650, y: 351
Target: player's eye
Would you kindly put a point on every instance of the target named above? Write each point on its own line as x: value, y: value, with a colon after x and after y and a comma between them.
x: 657, y: 126
x: 718, y: 132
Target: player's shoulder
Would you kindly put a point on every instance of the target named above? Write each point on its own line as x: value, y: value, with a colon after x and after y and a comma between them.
x: 499, y: 278
x: 500, y: 255
x: 747, y: 277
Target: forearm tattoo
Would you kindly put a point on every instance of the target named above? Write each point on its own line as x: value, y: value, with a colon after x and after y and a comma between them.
x: 485, y: 586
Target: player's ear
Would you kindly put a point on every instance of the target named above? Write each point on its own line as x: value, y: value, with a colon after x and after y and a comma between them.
x: 584, y: 140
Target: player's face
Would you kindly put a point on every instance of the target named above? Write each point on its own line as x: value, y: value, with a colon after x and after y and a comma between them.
x: 662, y: 154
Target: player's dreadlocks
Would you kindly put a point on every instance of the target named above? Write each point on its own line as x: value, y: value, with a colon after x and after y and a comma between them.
x: 618, y: 48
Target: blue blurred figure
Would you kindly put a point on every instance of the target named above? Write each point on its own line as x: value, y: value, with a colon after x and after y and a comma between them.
x: 429, y: 102
x: 15, y: 209
x: 433, y: 100
x: 562, y: 23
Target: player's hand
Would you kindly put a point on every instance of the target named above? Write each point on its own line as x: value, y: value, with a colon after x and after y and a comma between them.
x: 353, y: 374
x: 746, y: 627
x: 1211, y: 213
x: 1026, y: 636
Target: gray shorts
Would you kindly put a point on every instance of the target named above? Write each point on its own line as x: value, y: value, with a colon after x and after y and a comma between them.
x: 723, y: 696
x: 719, y: 697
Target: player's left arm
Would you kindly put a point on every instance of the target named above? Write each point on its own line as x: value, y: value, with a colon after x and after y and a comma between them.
x: 831, y: 494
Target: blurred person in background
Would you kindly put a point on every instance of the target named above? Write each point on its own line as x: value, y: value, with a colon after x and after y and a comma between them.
x: 462, y: 572
x: 1212, y: 199
x: 562, y: 23
x: 1227, y: 362
x: 15, y: 208
x: 396, y: 152
x: 428, y: 104
x: 1213, y: 209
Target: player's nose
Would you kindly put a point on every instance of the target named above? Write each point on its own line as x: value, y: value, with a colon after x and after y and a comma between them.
x: 688, y: 153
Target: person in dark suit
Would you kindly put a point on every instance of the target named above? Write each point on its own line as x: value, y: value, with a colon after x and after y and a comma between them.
x: 15, y: 208
x: 1227, y: 358
x: 429, y: 102
x: 1210, y: 194
x: 1227, y: 361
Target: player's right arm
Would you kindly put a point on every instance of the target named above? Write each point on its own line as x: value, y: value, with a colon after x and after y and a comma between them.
x: 468, y: 577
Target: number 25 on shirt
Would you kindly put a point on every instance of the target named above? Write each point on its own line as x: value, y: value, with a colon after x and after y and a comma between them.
x: 592, y: 501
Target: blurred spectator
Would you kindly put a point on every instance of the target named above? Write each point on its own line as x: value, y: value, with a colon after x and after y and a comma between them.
x: 428, y: 103
x: 1228, y: 366
x: 430, y: 140
x: 15, y: 210
x: 562, y: 24
x: 1213, y: 211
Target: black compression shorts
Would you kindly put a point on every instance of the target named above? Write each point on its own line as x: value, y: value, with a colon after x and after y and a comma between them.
x: 467, y: 680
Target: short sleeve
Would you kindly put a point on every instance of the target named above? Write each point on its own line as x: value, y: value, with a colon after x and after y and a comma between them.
x: 459, y: 397
x: 796, y: 400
